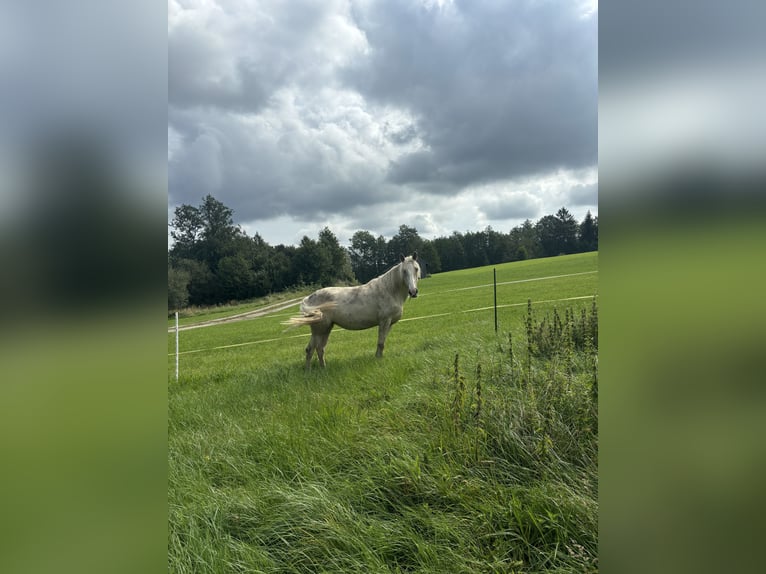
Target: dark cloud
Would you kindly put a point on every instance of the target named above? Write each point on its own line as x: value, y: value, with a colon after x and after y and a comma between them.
x: 202, y: 71
x: 416, y: 167
x: 499, y: 90
x: 310, y: 110
x: 515, y: 206
x: 584, y: 194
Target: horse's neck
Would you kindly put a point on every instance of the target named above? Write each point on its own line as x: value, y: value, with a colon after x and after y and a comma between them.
x: 391, y: 280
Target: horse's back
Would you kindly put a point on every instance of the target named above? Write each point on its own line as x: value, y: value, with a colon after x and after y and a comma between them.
x: 319, y: 297
x: 353, y: 308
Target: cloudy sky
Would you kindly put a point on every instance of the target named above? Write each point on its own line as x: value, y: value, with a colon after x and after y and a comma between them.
x: 369, y: 114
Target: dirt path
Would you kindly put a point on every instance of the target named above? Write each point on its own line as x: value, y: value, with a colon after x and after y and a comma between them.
x: 260, y: 312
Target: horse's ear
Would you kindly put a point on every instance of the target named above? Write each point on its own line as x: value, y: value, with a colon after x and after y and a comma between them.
x: 401, y: 257
x: 415, y: 256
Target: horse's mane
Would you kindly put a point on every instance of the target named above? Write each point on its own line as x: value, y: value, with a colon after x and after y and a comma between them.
x: 386, y: 275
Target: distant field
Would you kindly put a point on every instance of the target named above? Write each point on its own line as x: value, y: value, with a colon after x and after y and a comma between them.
x: 407, y: 463
x: 456, y: 292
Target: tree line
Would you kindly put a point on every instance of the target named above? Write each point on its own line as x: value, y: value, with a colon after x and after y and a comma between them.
x: 214, y: 261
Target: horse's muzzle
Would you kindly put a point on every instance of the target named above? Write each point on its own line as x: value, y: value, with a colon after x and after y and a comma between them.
x: 414, y: 293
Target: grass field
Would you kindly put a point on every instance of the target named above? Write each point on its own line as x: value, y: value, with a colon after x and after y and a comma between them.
x: 459, y: 451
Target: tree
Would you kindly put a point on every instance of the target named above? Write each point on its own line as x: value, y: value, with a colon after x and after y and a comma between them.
x: 186, y: 231
x: 428, y: 257
x: 588, y: 233
x: 218, y: 232
x: 366, y: 261
x: 204, y: 237
x: 204, y: 233
x: 259, y: 255
x: 405, y: 242
x: 548, y: 233
x: 217, y: 219
x: 212, y: 260
x: 498, y: 246
x: 450, y: 250
x: 281, y: 267
x: 558, y: 233
x: 567, y: 230
x: 475, y: 247
x: 308, y: 262
x: 202, y: 285
x: 235, y: 278
x: 336, y: 264
x: 382, y: 262
x: 525, y: 235
x: 178, y: 292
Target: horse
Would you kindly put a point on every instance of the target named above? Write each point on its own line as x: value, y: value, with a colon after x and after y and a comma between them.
x: 378, y: 302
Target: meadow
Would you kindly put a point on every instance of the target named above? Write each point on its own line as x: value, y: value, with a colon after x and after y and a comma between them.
x: 461, y: 450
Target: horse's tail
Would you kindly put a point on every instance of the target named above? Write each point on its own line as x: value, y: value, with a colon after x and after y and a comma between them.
x: 310, y: 314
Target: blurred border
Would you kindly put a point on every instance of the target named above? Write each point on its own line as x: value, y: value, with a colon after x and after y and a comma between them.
x: 682, y: 142
x: 83, y: 401
x: 83, y: 203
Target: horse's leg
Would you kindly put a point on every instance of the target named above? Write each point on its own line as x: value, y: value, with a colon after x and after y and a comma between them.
x: 310, y: 347
x: 383, y: 330
x: 322, y: 344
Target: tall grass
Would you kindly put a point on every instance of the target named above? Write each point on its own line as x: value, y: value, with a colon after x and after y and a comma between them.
x: 458, y: 454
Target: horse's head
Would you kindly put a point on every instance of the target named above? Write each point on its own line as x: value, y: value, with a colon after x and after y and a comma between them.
x: 411, y: 273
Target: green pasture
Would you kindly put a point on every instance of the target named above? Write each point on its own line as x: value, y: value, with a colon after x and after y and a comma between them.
x: 449, y: 304
x: 458, y: 451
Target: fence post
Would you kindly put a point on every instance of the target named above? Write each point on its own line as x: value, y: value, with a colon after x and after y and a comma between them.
x: 494, y: 272
x: 176, y: 346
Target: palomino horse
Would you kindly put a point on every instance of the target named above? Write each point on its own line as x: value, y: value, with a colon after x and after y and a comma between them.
x: 378, y: 302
